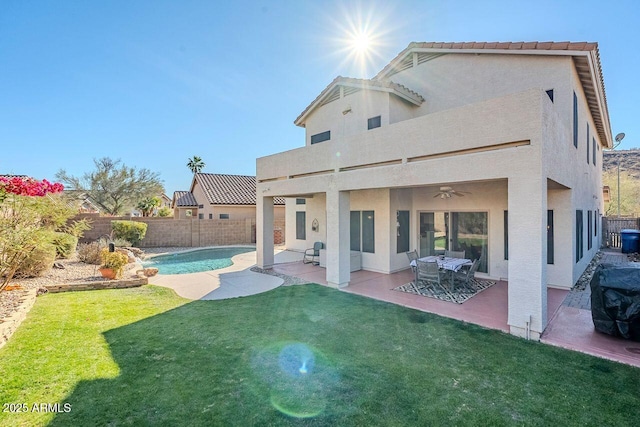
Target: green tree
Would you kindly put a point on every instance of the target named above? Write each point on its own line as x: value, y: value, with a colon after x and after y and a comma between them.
x: 165, y: 211
x: 629, y: 193
x: 148, y: 204
x: 114, y: 186
x: 195, y: 164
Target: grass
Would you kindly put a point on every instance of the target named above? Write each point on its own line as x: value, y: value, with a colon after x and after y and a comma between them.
x: 300, y: 355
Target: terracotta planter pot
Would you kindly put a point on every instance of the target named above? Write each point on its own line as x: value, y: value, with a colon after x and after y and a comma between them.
x: 108, y: 273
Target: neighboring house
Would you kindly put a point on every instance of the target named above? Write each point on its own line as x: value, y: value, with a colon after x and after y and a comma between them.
x: 518, y: 129
x: 184, y: 205
x: 220, y: 196
x: 166, y: 201
x: 82, y: 201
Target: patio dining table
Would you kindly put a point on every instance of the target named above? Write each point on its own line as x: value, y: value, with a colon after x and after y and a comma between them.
x: 446, y: 263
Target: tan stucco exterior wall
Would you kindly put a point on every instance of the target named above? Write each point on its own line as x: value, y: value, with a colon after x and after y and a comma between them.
x: 474, y: 105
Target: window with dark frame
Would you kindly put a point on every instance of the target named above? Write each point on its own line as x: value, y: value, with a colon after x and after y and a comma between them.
x: 368, y: 232
x: 354, y: 230
x: 301, y: 226
x: 210, y: 216
x: 301, y: 201
x: 362, y: 231
x: 579, y: 235
x: 402, y: 234
x: 550, y: 94
x: 550, y: 246
x: 589, y: 230
x: 223, y: 216
x: 374, y: 122
x: 575, y: 120
x: 593, y: 139
x: 596, y: 213
x: 506, y: 235
x: 321, y: 137
x: 588, y: 153
x: 200, y: 216
x: 200, y: 206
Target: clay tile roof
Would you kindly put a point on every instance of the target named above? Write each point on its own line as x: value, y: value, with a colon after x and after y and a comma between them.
x: 381, y: 84
x: 184, y: 199
x: 230, y: 189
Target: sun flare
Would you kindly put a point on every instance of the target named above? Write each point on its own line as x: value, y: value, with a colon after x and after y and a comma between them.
x: 361, y: 42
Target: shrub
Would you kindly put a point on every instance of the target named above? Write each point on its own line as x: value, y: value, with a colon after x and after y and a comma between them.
x: 90, y: 252
x: 165, y: 211
x: 113, y: 260
x: 132, y: 231
x: 121, y: 243
x: 65, y: 244
x: 39, y: 260
x: 26, y: 225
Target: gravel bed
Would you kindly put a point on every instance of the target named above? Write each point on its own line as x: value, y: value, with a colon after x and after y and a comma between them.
x: 585, y: 278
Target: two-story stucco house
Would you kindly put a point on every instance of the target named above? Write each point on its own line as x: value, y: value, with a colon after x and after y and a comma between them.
x: 492, y: 148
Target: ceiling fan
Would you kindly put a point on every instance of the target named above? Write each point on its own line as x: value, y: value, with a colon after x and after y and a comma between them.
x: 447, y: 192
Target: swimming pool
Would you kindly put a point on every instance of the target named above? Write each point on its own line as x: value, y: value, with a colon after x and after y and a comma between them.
x: 195, y: 261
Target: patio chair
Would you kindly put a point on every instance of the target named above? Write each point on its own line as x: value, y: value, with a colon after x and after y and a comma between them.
x: 428, y: 271
x: 413, y: 256
x: 312, y: 255
x: 454, y: 254
x: 464, y: 275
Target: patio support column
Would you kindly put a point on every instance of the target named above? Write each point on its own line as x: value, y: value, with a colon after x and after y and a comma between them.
x: 527, y: 256
x: 338, y: 238
x: 264, y: 232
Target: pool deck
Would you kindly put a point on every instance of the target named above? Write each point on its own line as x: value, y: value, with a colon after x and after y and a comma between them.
x: 234, y: 281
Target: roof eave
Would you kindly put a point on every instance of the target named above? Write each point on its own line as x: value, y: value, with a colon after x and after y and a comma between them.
x: 300, y: 121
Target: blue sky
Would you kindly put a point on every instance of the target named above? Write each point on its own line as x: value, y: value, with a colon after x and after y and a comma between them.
x: 155, y: 82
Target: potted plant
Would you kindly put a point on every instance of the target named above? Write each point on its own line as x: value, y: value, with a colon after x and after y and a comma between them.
x: 112, y: 264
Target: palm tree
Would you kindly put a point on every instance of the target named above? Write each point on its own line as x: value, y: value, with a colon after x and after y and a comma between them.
x: 195, y: 164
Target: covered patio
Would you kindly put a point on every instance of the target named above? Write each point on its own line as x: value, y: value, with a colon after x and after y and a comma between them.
x: 568, y: 327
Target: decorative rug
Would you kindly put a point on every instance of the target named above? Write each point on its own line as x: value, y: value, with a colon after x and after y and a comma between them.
x: 460, y: 295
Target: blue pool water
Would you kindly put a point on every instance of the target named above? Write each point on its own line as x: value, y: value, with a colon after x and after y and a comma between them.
x: 194, y: 261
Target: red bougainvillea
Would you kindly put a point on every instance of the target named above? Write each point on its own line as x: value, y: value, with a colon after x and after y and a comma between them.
x: 25, y: 186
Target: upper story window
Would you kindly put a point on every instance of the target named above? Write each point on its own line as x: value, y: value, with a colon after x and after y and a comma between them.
x: 301, y: 201
x: 588, y: 154
x: 223, y: 216
x: 550, y: 94
x: 594, y: 150
x: 321, y: 137
x: 373, y: 122
x: 575, y: 120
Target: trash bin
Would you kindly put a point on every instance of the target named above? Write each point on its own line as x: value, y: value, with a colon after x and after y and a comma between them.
x: 630, y: 241
x: 615, y: 300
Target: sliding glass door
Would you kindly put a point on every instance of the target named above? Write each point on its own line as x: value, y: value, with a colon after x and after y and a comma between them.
x: 470, y: 234
x: 456, y: 231
x: 434, y: 233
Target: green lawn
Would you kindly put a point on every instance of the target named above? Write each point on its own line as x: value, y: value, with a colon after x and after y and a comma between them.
x: 300, y: 355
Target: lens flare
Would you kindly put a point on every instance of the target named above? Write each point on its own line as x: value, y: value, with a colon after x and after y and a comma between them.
x: 296, y: 359
x: 297, y: 379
